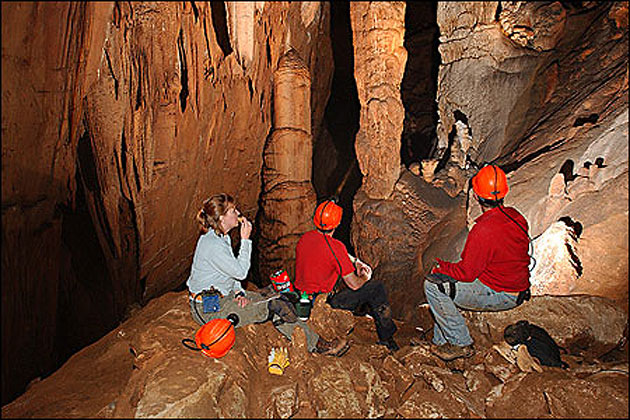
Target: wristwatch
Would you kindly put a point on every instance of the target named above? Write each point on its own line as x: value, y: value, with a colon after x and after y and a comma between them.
x: 239, y: 294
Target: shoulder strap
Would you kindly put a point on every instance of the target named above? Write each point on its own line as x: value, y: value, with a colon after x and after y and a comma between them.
x: 338, y: 283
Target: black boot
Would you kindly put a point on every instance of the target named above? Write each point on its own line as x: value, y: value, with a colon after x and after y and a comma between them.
x: 390, y: 344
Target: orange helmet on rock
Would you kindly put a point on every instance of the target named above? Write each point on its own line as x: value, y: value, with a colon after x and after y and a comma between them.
x: 327, y: 215
x: 490, y: 183
x: 216, y: 337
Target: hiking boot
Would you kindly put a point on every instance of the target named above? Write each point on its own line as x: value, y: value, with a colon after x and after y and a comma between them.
x: 448, y: 351
x: 390, y: 344
x: 337, y: 347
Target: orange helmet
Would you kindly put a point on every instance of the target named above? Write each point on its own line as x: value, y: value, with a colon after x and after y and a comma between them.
x: 327, y: 215
x: 216, y: 337
x: 490, y: 183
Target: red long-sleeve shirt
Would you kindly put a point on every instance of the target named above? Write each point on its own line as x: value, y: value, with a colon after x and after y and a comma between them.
x: 495, y: 252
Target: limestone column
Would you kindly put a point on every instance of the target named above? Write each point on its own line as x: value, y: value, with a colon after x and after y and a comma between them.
x: 288, y: 198
x: 378, y: 30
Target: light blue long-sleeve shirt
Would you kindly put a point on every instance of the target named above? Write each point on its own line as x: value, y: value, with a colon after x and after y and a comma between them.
x: 214, y: 264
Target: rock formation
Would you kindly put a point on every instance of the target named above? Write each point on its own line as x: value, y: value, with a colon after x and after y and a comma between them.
x: 287, y: 197
x: 379, y: 62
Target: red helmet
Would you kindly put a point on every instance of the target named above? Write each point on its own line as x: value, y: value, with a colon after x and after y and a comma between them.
x: 216, y: 337
x: 490, y: 183
x: 327, y: 215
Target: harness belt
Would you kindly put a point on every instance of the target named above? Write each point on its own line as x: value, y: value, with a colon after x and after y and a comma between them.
x: 522, y: 296
x: 451, y: 289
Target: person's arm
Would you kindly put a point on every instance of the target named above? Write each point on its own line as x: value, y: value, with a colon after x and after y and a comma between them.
x: 474, y: 258
x: 223, y: 259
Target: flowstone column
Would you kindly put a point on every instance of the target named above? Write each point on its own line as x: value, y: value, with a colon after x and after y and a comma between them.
x: 378, y: 30
x: 288, y: 197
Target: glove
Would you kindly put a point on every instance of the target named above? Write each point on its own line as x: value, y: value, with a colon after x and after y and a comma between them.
x: 278, y: 360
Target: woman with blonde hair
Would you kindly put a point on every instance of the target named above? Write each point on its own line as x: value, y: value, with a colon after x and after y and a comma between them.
x: 215, y: 266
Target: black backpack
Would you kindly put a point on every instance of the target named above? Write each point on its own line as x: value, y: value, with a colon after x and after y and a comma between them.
x: 539, y: 343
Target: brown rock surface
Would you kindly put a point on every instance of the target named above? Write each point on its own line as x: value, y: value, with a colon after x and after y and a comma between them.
x: 378, y: 35
x: 141, y: 369
x: 390, y: 234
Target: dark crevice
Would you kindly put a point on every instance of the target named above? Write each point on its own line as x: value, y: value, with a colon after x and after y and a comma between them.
x: 123, y: 153
x: 251, y: 88
x: 205, y: 35
x: 85, y: 156
x: 419, y: 83
x: 507, y: 168
x: 195, y: 10
x: 183, y: 93
x: 86, y: 291
x: 139, y: 70
x: 575, y: 226
x: 136, y: 175
x: 497, y: 12
x: 599, y: 162
x: 591, y: 119
x: 341, y: 118
x: 447, y: 153
x: 567, y: 171
x: 268, y: 51
x: 219, y: 22
x: 111, y: 70
x: 460, y: 116
x: 575, y: 230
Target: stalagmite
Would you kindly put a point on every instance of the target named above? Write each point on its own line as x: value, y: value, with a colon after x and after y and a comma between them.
x: 378, y: 30
x: 288, y: 197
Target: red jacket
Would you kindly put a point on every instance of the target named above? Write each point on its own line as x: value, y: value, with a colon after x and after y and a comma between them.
x: 316, y: 269
x: 496, y: 252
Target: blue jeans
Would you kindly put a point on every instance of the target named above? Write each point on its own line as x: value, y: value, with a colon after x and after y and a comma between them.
x: 450, y: 325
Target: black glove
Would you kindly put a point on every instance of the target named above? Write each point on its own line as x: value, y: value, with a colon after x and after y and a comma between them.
x: 439, y: 278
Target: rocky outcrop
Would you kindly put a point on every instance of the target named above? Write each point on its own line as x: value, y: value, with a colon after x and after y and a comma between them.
x: 379, y: 62
x: 390, y: 234
x: 141, y: 369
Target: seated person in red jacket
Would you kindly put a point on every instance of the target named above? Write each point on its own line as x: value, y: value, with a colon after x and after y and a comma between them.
x: 491, y: 274
x: 322, y: 262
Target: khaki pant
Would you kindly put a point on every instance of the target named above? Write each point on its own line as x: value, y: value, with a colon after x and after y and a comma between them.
x: 256, y: 311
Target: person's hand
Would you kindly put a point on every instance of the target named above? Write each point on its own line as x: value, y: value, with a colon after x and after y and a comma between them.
x: 241, y: 300
x: 363, y: 269
x: 246, y: 227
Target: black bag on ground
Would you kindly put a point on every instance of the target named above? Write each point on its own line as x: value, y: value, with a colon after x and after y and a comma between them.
x: 539, y: 343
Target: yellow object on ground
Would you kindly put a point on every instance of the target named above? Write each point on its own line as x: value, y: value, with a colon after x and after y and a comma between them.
x: 278, y: 360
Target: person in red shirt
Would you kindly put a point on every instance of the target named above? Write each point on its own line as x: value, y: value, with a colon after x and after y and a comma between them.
x: 323, y: 265
x: 492, y: 274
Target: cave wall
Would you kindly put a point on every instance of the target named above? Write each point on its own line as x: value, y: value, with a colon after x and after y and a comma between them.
x: 529, y: 86
x: 147, y: 108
